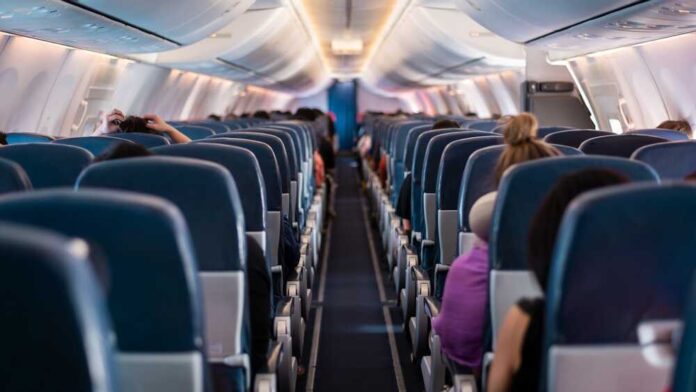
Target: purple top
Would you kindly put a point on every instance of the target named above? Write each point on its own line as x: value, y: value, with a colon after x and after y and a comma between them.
x: 460, y: 323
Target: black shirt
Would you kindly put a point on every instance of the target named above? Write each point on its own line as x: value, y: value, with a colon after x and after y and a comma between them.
x: 260, y: 297
x: 403, y: 204
x: 327, y: 153
x: 527, y: 376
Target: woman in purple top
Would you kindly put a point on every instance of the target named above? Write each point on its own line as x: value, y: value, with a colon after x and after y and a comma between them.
x: 460, y: 324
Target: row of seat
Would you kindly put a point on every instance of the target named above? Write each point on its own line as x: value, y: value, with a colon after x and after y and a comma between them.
x: 170, y: 230
x: 452, y: 168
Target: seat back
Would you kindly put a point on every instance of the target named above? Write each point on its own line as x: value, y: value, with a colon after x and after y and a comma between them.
x: 542, y: 132
x: 410, y: 146
x: 397, y: 150
x: 574, y: 137
x: 46, y: 281
x: 94, y: 144
x: 245, y: 170
x: 449, y: 180
x: 153, y: 293
x: 672, y: 160
x: 204, y: 192
x: 195, y: 132
x: 48, y: 165
x: 216, y: 126
x: 618, y: 145
x: 12, y: 177
x: 483, y: 125
x: 602, y: 285
x: 668, y: 134
x: 27, y: 137
x: 144, y: 139
x: 520, y: 194
x: 684, y: 379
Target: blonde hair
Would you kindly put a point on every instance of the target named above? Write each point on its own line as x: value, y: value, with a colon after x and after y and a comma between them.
x: 521, y: 144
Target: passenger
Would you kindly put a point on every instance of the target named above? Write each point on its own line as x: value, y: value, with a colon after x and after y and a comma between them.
x: 214, y: 117
x: 3, y: 139
x: 677, y: 125
x: 521, y: 143
x: 116, y: 122
x: 319, y: 172
x: 123, y: 150
x: 517, y: 362
x: 262, y: 114
x: 260, y: 302
x: 461, y: 322
x: 403, y: 203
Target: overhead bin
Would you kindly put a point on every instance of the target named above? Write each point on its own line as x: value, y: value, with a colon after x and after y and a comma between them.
x: 182, y: 21
x: 67, y: 24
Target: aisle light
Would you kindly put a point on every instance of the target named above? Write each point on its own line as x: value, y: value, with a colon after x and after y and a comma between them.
x: 300, y: 11
x: 398, y: 11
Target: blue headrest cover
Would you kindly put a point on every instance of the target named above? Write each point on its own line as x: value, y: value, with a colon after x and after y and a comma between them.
x: 623, y: 255
x: 477, y: 180
x: 153, y: 292
x: 144, y: 139
x: 433, y: 155
x: 195, y: 132
x: 94, y: 144
x: 574, y: 137
x: 203, y: 191
x: 672, y: 160
x: 454, y: 160
x: 26, y: 137
x: 523, y: 188
x: 12, y: 177
x: 618, y: 145
x: 244, y: 168
x: 410, y: 146
x: 52, y: 304
x: 486, y: 125
x: 542, y: 132
x: 300, y: 145
x: 48, y: 165
x: 668, y: 134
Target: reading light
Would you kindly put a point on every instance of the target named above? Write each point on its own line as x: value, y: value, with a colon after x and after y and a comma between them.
x: 347, y: 46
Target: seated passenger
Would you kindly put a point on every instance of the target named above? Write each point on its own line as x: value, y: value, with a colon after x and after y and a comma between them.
x: 262, y: 114
x: 123, y: 150
x: 517, y: 362
x: 677, y: 125
x: 3, y: 139
x: 116, y: 122
x: 461, y: 322
x: 214, y: 117
x: 260, y: 302
x: 319, y: 172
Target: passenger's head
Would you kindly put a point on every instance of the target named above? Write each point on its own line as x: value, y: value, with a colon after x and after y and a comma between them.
x: 3, y: 139
x: 305, y: 114
x: 444, y: 124
x: 546, y: 222
x: 214, y: 117
x: 134, y: 124
x: 123, y: 150
x: 691, y: 177
x: 521, y: 143
x: 262, y: 114
x: 481, y: 214
x: 677, y: 125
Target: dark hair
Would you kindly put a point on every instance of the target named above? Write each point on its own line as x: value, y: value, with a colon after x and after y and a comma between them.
x: 547, y: 220
x: 123, y: 150
x: 444, y: 124
x: 133, y: 124
x: 214, y: 117
x: 3, y: 138
x: 691, y: 177
x: 262, y: 114
x: 306, y: 114
x: 676, y: 125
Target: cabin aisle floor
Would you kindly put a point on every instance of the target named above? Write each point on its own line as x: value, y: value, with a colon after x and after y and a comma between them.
x: 354, y: 348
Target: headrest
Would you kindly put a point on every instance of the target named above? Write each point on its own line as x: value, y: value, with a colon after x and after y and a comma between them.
x: 481, y: 215
x: 215, y: 126
x: 292, y: 149
x: 421, y: 148
x: 542, y: 132
x: 144, y: 139
x: 668, y: 134
x: 268, y: 164
x: 523, y: 188
x: 48, y: 165
x: 94, y: 144
x: 27, y: 137
x: 477, y: 180
x: 195, y: 132
x: 575, y: 137
x: 147, y: 249
x: 12, y: 177
x: 401, y: 134
x: 433, y: 155
x: 203, y: 191
x: 618, y: 145
x: 300, y: 144
x: 410, y: 145
x: 52, y: 304
x: 567, y: 150
x: 685, y: 372
x: 245, y: 170
x: 671, y: 160
x: 484, y: 125
x: 623, y: 255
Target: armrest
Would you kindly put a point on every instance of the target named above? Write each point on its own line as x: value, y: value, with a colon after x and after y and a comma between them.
x: 266, y: 379
x: 277, y: 280
x: 464, y: 383
x: 657, y: 339
x: 432, y: 306
x: 439, y: 279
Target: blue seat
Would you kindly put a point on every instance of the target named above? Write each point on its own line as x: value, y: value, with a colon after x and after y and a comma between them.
x: 618, y: 145
x: 449, y: 181
x: 671, y: 160
x: 12, y: 177
x: 483, y: 125
x: 144, y: 139
x: 216, y: 126
x: 94, y: 144
x: 195, y: 132
x: 48, y: 165
x: 668, y: 134
x: 304, y: 143
x: 521, y: 192
x: 397, y: 153
x: 574, y: 137
x: 53, y: 305
x: 684, y: 379
x: 542, y: 132
x: 621, y: 258
x: 27, y: 137
x: 153, y: 290
x: 410, y: 146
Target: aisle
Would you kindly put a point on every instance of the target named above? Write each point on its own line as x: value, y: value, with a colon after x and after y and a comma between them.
x: 354, y: 347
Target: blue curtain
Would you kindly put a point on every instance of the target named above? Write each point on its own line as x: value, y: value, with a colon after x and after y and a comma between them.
x: 343, y: 103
